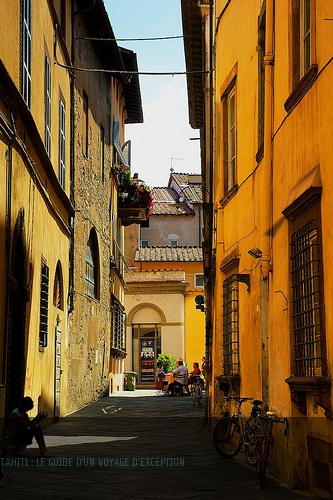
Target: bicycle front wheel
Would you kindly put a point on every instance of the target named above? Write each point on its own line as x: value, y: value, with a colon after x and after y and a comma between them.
x: 264, y: 460
x: 227, y: 437
x: 251, y: 448
x: 192, y: 394
x: 198, y: 395
x: 6, y: 463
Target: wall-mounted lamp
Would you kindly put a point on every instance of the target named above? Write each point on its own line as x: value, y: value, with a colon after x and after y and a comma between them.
x: 256, y: 253
x: 200, y: 301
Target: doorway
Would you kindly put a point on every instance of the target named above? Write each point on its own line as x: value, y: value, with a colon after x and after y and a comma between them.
x: 16, y: 359
x: 146, y: 347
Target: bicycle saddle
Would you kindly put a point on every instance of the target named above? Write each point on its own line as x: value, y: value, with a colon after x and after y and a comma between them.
x: 256, y: 402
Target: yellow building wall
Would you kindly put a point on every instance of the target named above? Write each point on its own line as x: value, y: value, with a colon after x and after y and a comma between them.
x: 38, y: 210
x: 300, y: 140
x: 193, y: 319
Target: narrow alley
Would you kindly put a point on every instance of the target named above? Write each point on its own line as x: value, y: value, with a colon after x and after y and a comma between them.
x: 136, y: 445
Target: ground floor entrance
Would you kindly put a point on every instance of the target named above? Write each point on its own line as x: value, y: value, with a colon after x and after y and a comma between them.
x: 146, y: 347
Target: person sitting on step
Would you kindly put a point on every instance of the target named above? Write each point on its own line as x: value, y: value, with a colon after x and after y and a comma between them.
x: 21, y: 429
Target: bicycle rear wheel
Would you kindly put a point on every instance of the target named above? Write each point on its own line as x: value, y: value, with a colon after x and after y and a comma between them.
x: 252, y: 447
x: 227, y: 437
x: 265, y: 459
x: 6, y: 463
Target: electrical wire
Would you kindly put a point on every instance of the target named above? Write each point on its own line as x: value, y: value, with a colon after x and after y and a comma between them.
x: 148, y: 39
x: 125, y: 72
x: 129, y: 72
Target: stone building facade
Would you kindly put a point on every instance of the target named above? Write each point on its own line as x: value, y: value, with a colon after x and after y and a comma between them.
x: 99, y: 121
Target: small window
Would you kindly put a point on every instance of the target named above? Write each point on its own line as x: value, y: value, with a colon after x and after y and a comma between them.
x: 102, y: 151
x: 302, y: 39
x: 85, y: 124
x: 231, y: 144
x: 229, y: 135
x: 230, y: 326
x: 47, y: 98
x: 58, y: 288
x: 118, y: 332
x: 199, y: 280
x: 44, y: 305
x: 92, y: 267
x: 305, y: 36
x: 62, y: 143
x: 26, y: 52
x: 173, y: 243
x: 144, y: 243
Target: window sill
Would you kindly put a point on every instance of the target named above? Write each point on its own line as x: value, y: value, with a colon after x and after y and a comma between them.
x: 118, y: 353
x: 301, y: 88
x: 230, y: 194
x: 320, y: 387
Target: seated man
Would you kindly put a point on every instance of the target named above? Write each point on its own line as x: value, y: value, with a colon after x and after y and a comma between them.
x: 22, y: 429
x: 181, y: 376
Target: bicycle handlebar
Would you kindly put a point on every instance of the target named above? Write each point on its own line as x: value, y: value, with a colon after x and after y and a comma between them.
x: 270, y: 417
x: 236, y: 398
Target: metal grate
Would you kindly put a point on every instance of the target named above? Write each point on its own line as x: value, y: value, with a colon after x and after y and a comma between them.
x: 230, y: 326
x: 306, y: 298
x: 118, y: 332
x: 44, y: 305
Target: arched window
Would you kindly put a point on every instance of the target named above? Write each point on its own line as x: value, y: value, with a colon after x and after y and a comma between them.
x: 92, y: 266
x: 58, y: 295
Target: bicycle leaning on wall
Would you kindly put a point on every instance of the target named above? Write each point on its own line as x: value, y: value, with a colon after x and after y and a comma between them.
x: 234, y: 430
x: 6, y: 463
x: 265, y: 445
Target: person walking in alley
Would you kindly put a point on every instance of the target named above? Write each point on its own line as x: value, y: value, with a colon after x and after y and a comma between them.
x: 161, y: 380
x: 22, y: 429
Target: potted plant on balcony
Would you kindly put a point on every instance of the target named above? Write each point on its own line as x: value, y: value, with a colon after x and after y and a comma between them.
x: 132, y: 191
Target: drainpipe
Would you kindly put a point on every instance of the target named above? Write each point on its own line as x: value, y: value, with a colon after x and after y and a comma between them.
x: 268, y: 133
x: 267, y: 198
x: 209, y: 332
x: 208, y: 188
x: 72, y: 170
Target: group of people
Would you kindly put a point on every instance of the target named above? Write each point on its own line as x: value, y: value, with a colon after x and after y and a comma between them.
x: 182, y: 378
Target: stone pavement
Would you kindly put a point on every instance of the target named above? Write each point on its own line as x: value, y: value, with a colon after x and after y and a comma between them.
x: 136, y: 445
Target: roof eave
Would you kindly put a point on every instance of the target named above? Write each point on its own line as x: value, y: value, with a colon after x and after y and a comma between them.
x: 194, y: 58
